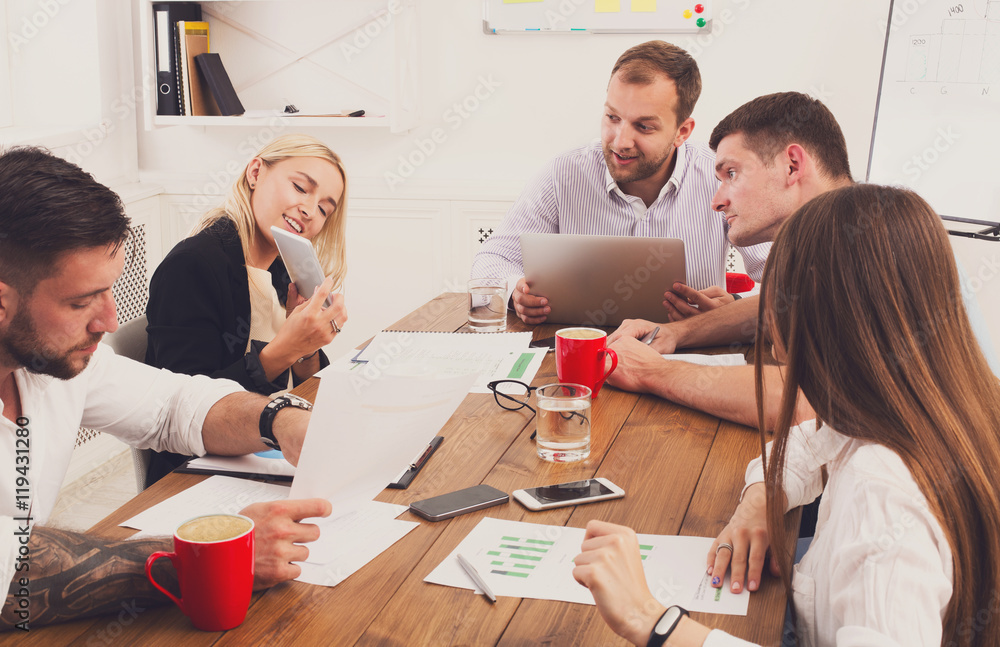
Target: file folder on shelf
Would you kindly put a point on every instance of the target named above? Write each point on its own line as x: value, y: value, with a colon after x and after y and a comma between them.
x: 165, y: 18
x: 220, y: 88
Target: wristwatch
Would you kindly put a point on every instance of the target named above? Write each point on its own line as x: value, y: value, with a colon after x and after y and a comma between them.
x: 271, y: 410
x: 665, y: 625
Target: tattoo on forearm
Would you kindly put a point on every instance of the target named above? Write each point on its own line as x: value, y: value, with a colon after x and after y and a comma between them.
x: 73, y: 576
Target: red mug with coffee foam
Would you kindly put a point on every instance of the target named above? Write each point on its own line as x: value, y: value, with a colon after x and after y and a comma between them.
x: 215, y: 571
x: 580, y: 357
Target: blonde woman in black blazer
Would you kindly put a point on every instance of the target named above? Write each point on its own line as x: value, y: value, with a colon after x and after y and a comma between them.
x: 221, y: 303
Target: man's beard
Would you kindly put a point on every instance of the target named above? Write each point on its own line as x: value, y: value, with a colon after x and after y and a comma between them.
x: 642, y: 168
x: 22, y: 343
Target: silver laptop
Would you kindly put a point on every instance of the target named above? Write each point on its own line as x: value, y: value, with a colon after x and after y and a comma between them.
x: 602, y: 280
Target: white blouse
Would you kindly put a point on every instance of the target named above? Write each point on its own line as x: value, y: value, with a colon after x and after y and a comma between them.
x: 879, y: 569
x: 267, y: 315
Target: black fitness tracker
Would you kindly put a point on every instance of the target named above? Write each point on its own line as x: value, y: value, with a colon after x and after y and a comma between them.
x: 665, y: 625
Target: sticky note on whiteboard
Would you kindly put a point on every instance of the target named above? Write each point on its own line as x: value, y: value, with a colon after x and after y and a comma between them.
x: 643, y: 5
x: 607, y: 6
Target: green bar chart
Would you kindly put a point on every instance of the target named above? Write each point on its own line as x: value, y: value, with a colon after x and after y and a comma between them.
x: 518, y: 557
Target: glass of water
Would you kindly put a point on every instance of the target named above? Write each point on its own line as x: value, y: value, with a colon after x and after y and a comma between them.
x: 563, y: 422
x: 488, y: 305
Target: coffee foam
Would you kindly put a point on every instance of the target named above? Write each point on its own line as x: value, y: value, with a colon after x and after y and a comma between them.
x: 581, y: 333
x: 216, y: 527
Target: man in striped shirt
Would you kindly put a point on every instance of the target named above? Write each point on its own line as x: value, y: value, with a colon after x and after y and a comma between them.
x: 773, y: 155
x: 643, y: 178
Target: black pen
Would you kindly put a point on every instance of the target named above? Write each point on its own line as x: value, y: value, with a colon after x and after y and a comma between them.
x: 431, y: 447
x: 411, y: 471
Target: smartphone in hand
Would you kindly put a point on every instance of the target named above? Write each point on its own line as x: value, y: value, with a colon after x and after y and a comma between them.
x: 300, y: 259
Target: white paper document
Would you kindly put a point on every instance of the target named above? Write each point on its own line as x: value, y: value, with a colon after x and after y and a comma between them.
x: 729, y: 359
x: 360, y: 434
x: 489, y: 356
x: 214, y: 495
x: 348, y: 543
x: 528, y: 560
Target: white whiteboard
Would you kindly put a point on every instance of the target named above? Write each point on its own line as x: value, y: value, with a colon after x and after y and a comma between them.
x: 608, y: 16
x: 937, y: 124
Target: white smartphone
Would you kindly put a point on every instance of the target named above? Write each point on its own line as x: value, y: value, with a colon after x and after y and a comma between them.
x: 562, y: 494
x: 300, y: 261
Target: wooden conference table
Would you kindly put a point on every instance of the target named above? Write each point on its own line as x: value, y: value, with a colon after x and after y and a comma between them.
x: 682, y: 472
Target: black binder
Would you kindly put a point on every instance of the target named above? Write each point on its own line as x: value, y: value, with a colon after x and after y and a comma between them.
x: 220, y: 87
x: 165, y: 17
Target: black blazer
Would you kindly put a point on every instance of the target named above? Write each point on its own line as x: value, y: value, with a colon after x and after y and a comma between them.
x: 199, y: 311
x: 199, y: 318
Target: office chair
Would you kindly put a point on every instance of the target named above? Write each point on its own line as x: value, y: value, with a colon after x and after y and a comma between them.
x: 130, y: 341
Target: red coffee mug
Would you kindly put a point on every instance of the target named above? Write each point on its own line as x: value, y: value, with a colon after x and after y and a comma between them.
x: 215, y: 571
x: 580, y: 354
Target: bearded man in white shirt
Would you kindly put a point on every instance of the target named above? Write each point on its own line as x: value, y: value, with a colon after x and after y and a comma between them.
x: 642, y: 178
x: 61, y: 250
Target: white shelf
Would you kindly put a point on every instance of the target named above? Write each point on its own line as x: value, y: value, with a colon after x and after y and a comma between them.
x: 305, y: 122
x: 395, y: 91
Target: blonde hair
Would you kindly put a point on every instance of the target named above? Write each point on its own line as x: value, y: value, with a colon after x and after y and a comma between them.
x: 329, y: 243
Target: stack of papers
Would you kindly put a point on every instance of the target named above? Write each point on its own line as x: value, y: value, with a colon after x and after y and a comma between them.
x: 488, y: 356
x: 360, y: 435
x: 528, y: 560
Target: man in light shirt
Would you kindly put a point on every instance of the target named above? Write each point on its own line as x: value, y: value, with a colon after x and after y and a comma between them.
x: 773, y: 155
x: 61, y: 250
x: 643, y: 178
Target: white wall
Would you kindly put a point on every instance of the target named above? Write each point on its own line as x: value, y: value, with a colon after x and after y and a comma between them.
x: 70, y: 83
x: 551, y: 89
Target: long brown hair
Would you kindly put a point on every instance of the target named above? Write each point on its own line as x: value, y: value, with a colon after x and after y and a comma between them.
x: 861, y: 291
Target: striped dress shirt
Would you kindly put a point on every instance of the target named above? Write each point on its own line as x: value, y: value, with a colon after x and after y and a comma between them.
x: 576, y: 194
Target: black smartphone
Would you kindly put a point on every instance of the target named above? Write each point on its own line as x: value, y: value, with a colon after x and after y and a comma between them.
x: 547, y: 343
x: 459, y: 502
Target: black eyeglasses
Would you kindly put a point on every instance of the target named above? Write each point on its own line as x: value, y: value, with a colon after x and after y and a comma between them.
x: 513, y: 395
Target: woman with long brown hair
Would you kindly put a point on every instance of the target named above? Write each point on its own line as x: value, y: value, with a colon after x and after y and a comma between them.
x: 862, y: 308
